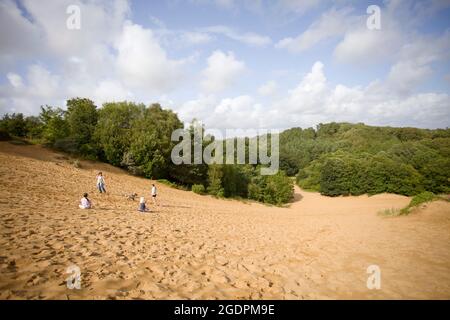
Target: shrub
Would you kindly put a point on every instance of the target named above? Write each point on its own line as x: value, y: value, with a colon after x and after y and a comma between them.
x: 417, y: 200
x: 76, y: 163
x: 68, y: 145
x: 422, y: 198
x: 4, y: 135
x: 198, y: 188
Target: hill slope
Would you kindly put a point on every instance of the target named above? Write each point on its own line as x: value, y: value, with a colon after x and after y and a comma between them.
x: 195, y: 246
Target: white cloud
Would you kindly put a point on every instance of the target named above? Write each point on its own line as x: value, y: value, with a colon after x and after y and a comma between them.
x: 249, y: 38
x: 367, y: 46
x: 222, y: 71
x: 315, y: 100
x: 108, y: 59
x: 40, y: 87
x: 15, y: 79
x: 332, y: 23
x: 195, y: 38
x: 109, y: 90
x: 268, y: 89
x: 101, y: 22
x: 142, y: 63
x: 19, y: 38
x: 299, y: 6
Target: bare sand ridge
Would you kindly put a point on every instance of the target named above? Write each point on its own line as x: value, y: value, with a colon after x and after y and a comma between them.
x: 199, y: 247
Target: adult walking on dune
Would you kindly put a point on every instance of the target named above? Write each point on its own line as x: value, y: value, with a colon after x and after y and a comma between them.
x: 101, y: 183
x: 154, y: 194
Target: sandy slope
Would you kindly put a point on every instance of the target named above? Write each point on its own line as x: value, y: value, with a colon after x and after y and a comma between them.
x: 199, y: 247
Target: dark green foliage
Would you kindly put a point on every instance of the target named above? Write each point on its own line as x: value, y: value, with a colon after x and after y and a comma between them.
x: 190, y: 174
x: 81, y: 117
x: 114, y: 131
x: 345, y: 158
x: 274, y: 189
x: 215, y: 175
x: 19, y: 126
x: 14, y: 124
x: 4, y: 135
x: 54, y: 126
x: 279, y: 188
x: 417, y: 200
x: 422, y: 198
x: 199, y: 189
x: 335, y: 158
x: 151, y: 144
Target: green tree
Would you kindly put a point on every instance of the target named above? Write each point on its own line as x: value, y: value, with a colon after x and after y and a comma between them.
x: 81, y: 117
x: 54, y: 126
x: 113, y: 132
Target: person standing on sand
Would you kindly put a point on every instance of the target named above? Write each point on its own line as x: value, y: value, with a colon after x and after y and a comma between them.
x: 85, y: 202
x: 101, y: 183
x: 142, y: 206
x: 154, y: 194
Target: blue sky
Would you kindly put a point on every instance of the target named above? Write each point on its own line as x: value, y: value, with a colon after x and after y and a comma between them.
x: 234, y: 64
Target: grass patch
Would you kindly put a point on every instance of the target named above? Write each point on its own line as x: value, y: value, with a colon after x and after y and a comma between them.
x: 416, y: 201
x: 390, y: 212
x: 198, y: 188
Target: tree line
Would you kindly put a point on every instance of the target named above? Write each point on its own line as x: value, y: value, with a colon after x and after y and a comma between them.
x: 138, y: 138
x: 353, y: 159
x: 334, y: 158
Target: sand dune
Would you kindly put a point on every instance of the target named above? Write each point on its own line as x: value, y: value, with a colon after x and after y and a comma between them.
x: 199, y: 247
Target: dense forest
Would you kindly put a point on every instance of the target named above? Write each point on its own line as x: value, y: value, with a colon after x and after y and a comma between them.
x: 334, y: 158
x: 343, y: 159
x: 138, y: 139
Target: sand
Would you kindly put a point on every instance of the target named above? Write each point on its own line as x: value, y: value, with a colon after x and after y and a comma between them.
x: 199, y: 247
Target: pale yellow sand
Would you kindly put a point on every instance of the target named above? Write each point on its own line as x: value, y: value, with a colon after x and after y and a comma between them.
x: 198, y: 247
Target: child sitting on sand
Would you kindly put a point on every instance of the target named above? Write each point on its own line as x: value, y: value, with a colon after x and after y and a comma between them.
x: 142, y: 206
x: 85, y: 202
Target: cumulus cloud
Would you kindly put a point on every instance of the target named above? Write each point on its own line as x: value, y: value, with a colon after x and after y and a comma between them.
x: 18, y: 36
x: 109, y: 58
x: 141, y: 61
x: 315, y: 100
x: 332, y: 23
x: 222, y: 71
x: 268, y: 89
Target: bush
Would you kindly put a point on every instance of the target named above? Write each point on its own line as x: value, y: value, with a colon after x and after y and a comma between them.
x: 279, y: 189
x: 422, y: 198
x: 68, y: 145
x: 198, y: 188
x: 4, y: 135
x: 417, y: 200
x: 76, y: 163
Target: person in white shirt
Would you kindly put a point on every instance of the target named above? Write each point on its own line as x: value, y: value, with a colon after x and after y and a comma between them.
x: 101, y: 183
x: 154, y: 194
x: 142, y: 206
x: 85, y: 202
